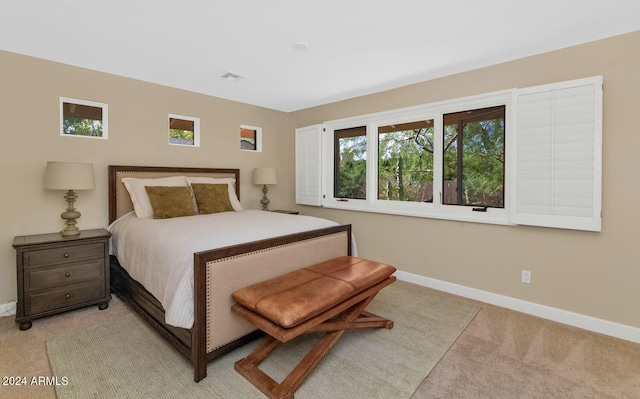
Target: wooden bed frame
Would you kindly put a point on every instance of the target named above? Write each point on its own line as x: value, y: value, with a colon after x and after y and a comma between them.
x: 198, y: 344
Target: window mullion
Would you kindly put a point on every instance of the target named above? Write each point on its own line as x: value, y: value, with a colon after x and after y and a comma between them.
x: 459, y: 165
x: 372, y: 162
x: 438, y: 149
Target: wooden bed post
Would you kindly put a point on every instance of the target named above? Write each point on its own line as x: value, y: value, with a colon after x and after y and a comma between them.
x: 199, y: 331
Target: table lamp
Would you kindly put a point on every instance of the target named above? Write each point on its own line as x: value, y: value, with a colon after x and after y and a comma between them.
x: 262, y: 177
x: 69, y: 176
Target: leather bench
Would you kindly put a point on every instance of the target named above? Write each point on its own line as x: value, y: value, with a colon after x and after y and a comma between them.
x: 327, y: 297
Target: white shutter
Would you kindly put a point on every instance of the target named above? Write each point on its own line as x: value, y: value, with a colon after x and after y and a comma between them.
x: 558, y: 155
x: 308, y: 165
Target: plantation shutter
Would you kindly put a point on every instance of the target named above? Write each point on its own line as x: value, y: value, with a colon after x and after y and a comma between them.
x: 558, y: 155
x: 308, y: 165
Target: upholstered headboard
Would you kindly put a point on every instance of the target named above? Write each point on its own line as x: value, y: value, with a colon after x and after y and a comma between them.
x: 119, y: 201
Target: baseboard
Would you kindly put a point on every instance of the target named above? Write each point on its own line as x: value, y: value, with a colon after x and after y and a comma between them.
x: 612, y: 329
x: 8, y: 309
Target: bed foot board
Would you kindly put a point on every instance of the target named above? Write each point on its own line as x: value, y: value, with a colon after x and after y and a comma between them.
x: 192, y: 344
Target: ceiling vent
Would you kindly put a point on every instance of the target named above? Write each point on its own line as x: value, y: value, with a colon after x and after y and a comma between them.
x: 233, y: 76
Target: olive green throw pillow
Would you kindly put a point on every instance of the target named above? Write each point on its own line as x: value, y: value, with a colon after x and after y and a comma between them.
x: 170, y: 202
x: 212, y: 198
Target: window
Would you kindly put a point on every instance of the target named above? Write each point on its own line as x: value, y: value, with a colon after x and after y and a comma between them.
x: 250, y: 138
x: 184, y: 130
x: 405, y: 161
x: 473, y: 161
x: 81, y: 118
x: 521, y: 156
x: 350, y: 167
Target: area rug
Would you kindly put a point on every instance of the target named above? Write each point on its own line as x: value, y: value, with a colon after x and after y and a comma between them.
x: 126, y: 359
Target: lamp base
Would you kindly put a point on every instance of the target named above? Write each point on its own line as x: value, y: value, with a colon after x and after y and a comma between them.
x: 70, y: 215
x: 70, y: 231
x: 265, y: 201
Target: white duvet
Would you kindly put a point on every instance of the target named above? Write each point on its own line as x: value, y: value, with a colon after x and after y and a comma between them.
x: 158, y: 253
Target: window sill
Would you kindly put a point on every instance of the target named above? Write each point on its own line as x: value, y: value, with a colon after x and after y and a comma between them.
x: 425, y: 210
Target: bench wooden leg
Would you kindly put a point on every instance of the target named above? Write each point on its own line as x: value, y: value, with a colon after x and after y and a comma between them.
x: 353, y: 318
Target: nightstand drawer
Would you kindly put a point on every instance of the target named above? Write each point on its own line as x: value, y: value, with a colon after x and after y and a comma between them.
x: 69, y: 253
x: 49, y: 277
x: 63, y: 297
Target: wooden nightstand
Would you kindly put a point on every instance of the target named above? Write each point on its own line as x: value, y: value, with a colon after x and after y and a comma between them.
x: 57, y: 273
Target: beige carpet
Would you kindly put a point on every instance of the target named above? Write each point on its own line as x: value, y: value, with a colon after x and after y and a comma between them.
x: 125, y: 359
x: 510, y: 355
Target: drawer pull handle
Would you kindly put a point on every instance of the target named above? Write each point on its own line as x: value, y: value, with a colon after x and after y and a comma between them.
x: 66, y: 255
x: 67, y: 274
x: 67, y: 296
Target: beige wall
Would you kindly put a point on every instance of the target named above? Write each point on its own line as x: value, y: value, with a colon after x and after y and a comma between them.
x: 29, y: 108
x: 595, y: 274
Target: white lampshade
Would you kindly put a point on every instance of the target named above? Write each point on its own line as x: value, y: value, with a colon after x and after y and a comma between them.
x: 262, y: 176
x: 69, y: 176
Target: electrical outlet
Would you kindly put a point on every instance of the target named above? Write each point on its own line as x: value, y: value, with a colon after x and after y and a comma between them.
x: 526, y: 276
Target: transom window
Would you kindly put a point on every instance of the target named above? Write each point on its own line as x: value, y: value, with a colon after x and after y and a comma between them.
x: 184, y: 130
x: 250, y: 138
x: 81, y: 118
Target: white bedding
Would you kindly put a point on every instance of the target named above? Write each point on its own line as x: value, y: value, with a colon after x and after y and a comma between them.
x: 158, y: 253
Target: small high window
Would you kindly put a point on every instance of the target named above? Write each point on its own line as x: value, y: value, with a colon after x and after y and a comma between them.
x: 184, y: 130
x: 81, y: 118
x: 250, y: 138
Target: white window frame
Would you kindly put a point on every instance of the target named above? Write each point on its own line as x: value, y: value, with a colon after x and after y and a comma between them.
x: 434, y: 209
x: 258, y: 131
x: 196, y: 130
x: 105, y: 117
x: 584, y: 95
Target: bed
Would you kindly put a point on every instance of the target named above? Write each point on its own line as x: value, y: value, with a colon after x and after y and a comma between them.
x: 218, y: 270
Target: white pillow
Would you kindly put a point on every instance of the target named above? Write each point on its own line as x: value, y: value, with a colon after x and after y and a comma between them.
x: 231, y: 183
x: 139, y: 196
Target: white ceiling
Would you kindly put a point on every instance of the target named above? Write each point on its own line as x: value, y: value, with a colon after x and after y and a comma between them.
x: 356, y: 47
